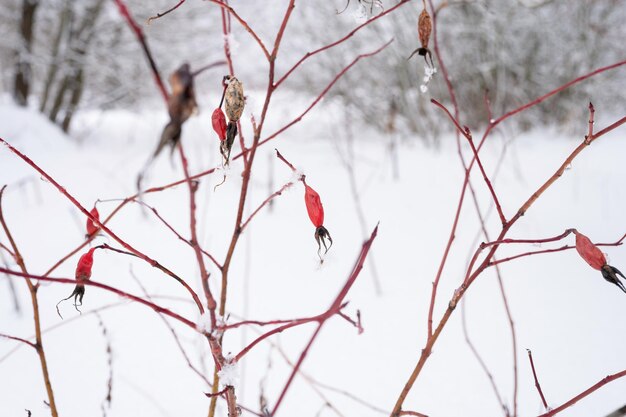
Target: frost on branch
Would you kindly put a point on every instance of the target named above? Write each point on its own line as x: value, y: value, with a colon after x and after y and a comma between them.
x: 204, y: 323
x: 228, y: 374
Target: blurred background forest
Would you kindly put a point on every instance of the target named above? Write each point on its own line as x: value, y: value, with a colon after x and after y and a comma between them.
x: 61, y: 56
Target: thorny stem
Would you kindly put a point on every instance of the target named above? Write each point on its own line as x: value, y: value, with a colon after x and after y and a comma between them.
x: 32, y: 289
x: 104, y: 228
x: 532, y: 367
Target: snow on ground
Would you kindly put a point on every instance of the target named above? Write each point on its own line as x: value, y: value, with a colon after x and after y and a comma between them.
x: 563, y: 310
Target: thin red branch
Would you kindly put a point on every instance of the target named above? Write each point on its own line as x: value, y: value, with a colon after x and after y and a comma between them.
x: 585, y: 393
x: 19, y: 339
x: 563, y: 235
x: 282, y: 158
x: 246, y: 26
x: 552, y: 250
x: 532, y: 366
x: 592, y: 113
x: 7, y: 250
x: 114, y: 290
x: 274, y: 331
x: 204, y: 275
x: 216, y: 394
x: 265, y: 202
x: 161, y: 14
x: 556, y: 91
x: 174, y: 231
x: 522, y: 255
x: 467, y: 134
x: 509, y: 316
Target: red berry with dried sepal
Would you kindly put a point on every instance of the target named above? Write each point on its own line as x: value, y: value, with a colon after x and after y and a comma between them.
x: 596, y: 259
x: 92, y: 228
x: 82, y: 274
x: 315, y: 209
x: 218, y: 120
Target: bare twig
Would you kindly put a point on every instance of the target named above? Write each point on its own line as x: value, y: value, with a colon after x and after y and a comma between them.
x: 532, y: 366
x: 161, y: 14
x: 335, y: 306
x: 19, y: 339
x: 32, y: 289
x: 585, y: 393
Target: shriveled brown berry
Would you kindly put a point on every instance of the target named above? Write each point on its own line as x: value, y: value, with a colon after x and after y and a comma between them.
x: 235, y: 101
x: 424, y: 28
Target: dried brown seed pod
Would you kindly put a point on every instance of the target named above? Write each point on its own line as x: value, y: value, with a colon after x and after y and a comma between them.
x: 424, y: 28
x: 235, y: 101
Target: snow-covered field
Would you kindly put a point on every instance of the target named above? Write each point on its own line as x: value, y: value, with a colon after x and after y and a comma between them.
x: 571, y: 319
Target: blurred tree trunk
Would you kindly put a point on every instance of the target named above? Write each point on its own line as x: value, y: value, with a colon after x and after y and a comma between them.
x: 54, y: 65
x: 23, y: 69
x: 71, y: 86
